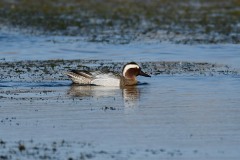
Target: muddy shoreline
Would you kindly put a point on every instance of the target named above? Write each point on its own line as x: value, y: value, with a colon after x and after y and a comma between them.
x: 121, y: 22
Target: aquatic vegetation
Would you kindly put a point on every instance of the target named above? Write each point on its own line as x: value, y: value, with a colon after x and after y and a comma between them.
x: 123, y: 21
x: 53, y: 70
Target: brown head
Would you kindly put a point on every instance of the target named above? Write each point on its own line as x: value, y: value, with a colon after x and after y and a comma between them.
x: 132, y: 70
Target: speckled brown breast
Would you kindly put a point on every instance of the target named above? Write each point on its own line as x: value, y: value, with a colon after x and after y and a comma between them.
x: 127, y: 82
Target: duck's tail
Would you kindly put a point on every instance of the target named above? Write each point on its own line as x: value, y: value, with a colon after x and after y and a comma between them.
x: 80, y: 77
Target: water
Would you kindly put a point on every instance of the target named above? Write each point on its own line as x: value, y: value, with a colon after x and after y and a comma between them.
x: 187, y: 117
x: 17, y: 46
x: 169, y: 117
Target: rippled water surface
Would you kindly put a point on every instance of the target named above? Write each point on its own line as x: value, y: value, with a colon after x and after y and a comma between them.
x: 16, y: 46
x: 181, y: 117
x: 171, y: 116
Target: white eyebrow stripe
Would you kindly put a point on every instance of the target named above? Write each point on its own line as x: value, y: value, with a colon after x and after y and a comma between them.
x: 127, y: 67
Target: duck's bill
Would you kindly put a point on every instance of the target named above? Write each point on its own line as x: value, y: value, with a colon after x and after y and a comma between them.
x: 144, y: 74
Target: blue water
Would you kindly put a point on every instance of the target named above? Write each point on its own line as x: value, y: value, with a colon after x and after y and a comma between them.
x: 177, y: 116
x: 189, y: 116
x: 18, y: 46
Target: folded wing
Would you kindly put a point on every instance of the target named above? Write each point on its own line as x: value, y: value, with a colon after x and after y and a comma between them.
x: 80, y: 76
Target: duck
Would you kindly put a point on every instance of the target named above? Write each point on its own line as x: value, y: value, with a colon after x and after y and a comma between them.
x: 128, y: 77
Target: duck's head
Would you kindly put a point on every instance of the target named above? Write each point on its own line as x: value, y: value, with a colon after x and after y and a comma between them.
x: 132, y: 70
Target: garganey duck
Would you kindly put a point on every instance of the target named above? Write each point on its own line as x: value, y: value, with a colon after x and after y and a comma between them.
x: 128, y: 78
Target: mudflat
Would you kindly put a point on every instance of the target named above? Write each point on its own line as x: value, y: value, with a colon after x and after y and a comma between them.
x: 188, y: 109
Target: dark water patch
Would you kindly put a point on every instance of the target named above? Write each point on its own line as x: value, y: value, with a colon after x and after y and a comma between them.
x: 124, y: 21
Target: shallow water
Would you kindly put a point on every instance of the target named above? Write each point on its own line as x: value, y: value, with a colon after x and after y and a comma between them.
x: 172, y: 116
x: 16, y: 46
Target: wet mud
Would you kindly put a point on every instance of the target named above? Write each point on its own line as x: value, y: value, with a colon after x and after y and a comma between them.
x: 114, y: 21
x: 54, y: 70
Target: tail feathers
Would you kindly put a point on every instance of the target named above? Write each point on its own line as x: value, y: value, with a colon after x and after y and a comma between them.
x: 82, y: 73
x: 80, y: 77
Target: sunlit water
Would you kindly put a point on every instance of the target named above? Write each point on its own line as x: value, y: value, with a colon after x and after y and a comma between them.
x: 186, y: 116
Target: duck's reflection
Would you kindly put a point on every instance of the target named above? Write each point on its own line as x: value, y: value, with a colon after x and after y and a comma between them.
x: 130, y: 94
x: 89, y: 91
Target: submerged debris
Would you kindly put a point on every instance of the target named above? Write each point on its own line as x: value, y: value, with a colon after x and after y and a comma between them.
x: 82, y: 150
x: 21, y: 147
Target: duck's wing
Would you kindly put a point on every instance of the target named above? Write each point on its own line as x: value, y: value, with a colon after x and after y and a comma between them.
x: 80, y: 76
